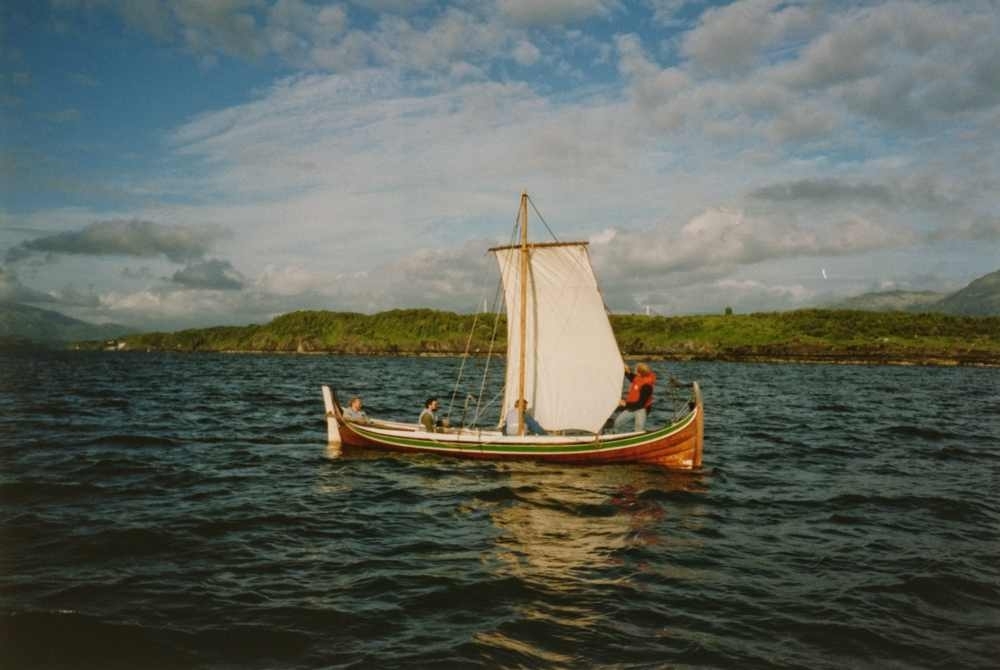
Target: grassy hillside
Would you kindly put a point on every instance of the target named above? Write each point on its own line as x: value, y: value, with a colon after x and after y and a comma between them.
x: 399, y: 331
x: 800, y: 335
x: 816, y: 335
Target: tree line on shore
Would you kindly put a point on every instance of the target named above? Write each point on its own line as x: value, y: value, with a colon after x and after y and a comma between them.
x: 811, y: 334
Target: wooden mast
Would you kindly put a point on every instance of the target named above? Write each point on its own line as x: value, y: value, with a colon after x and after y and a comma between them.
x: 524, y: 313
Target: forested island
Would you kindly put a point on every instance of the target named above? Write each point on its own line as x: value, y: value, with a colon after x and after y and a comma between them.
x: 805, y: 335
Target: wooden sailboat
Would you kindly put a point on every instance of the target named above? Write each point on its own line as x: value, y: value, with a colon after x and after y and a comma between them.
x: 563, y: 359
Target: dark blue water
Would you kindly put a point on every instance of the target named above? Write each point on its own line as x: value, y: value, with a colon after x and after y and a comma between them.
x: 165, y: 511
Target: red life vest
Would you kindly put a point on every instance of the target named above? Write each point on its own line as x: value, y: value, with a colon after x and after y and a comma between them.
x: 638, y: 381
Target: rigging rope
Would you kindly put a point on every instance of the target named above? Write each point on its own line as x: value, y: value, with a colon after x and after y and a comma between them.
x: 489, y: 357
x: 461, y: 367
x: 497, y: 299
x: 542, y: 219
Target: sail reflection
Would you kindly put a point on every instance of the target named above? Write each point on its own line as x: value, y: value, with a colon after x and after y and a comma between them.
x: 566, y: 524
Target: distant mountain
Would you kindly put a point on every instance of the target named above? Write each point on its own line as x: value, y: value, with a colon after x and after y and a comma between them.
x: 891, y: 301
x: 22, y: 325
x: 980, y: 298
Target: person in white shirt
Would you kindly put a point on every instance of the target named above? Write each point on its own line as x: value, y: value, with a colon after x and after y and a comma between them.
x: 353, y: 411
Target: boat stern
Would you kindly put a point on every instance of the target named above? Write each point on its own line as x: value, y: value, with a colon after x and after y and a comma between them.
x: 332, y: 425
x: 699, y: 426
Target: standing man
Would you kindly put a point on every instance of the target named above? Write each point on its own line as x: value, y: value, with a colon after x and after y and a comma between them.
x: 636, y: 403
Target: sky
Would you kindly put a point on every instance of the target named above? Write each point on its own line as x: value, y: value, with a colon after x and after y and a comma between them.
x: 166, y: 165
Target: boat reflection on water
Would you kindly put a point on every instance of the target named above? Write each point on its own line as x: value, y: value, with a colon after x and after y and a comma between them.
x: 581, y: 539
x: 552, y: 520
x: 577, y: 550
x: 585, y: 519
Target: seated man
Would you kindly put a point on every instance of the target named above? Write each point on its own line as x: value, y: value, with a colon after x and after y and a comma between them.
x: 512, y: 425
x: 429, y: 420
x: 353, y: 411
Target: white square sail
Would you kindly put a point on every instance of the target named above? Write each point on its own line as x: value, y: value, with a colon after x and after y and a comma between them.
x: 573, y: 368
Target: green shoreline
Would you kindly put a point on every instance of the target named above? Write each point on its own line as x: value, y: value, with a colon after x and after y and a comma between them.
x: 832, y: 358
x: 803, y: 336
x: 931, y: 360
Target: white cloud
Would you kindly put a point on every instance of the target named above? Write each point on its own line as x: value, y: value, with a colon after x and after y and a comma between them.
x: 212, y: 274
x: 449, y: 279
x: 550, y: 12
x: 733, y: 39
x: 73, y: 296
x: 224, y: 25
x: 803, y: 121
x: 818, y: 191
x: 665, y: 12
x: 905, y: 63
x: 743, y: 287
x: 12, y: 290
x: 981, y: 229
x: 310, y: 35
x: 124, y: 238
x: 653, y: 86
x: 396, y: 6
x: 292, y: 280
x: 346, y: 158
x: 900, y: 64
x: 526, y: 53
x: 716, y: 242
x: 733, y: 148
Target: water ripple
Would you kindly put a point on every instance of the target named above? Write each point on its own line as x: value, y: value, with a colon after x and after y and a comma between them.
x: 167, y: 511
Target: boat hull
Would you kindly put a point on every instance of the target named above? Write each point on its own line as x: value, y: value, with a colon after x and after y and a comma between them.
x: 676, y: 446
